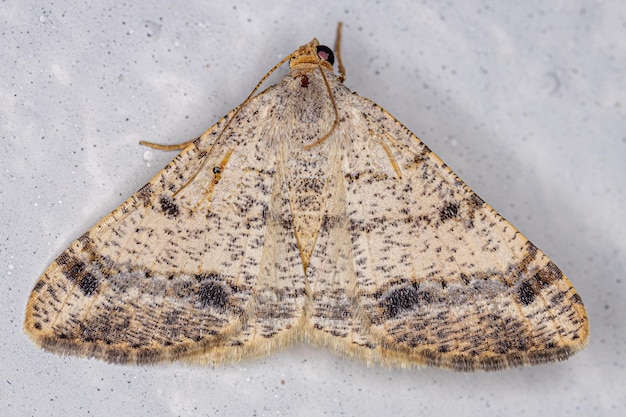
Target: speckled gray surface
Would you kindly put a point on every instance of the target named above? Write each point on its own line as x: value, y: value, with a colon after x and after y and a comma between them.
x: 525, y: 102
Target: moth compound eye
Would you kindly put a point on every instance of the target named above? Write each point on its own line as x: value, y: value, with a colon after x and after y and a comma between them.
x: 326, y: 54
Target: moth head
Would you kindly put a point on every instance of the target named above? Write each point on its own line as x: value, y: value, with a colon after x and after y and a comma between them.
x: 313, y: 53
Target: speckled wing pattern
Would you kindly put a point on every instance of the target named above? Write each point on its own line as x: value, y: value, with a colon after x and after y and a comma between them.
x: 307, y: 214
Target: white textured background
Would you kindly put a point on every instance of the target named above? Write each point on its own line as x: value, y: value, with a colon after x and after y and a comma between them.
x: 525, y: 101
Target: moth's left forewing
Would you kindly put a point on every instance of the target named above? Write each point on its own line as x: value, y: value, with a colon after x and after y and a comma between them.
x: 441, y: 278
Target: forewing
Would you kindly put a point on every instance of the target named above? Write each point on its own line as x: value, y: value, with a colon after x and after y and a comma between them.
x: 418, y: 270
x: 192, y: 265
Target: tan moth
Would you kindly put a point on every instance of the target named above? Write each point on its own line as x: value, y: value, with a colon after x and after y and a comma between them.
x: 307, y: 214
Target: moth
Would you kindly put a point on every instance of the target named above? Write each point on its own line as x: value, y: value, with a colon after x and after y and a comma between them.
x: 307, y: 214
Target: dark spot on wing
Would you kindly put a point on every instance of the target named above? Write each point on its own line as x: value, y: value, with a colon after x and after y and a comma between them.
x: 88, y: 284
x: 526, y: 293
x: 209, y: 276
x: 544, y: 278
x: 576, y: 299
x: 76, y: 272
x: 403, y: 299
x: 85, y: 239
x: 449, y: 211
x: 213, y: 294
x: 476, y: 201
x: 168, y: 206
x: 145, y: 194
